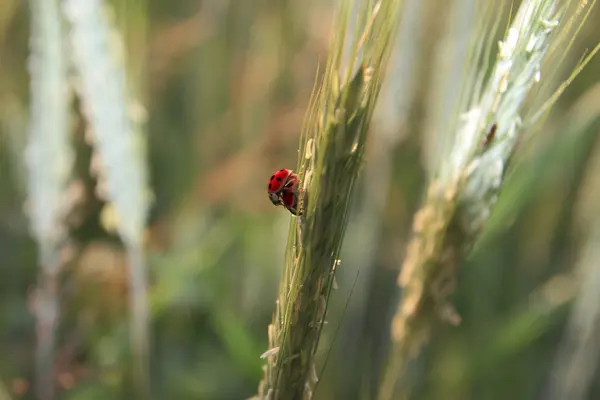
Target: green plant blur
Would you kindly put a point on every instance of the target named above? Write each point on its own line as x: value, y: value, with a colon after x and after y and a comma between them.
x: 225, y: 85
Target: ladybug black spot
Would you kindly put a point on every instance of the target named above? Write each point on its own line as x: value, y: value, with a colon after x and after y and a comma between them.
x: 269, y: 186
x: 278, y: 179
x: 282, y: 170
x: 272, y: 176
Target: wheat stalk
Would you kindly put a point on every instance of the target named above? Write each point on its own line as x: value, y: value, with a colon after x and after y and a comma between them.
x: 465, y: 184
x: 332, y: 147
x: 49, y: 161
x: 115, y: 123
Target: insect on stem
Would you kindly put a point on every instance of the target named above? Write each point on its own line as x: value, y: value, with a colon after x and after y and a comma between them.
x: 489, y: 137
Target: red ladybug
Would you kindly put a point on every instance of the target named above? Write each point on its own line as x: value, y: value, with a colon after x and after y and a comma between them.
x: 283, y: 188
x: 289, y: 198
x: 284, y: 178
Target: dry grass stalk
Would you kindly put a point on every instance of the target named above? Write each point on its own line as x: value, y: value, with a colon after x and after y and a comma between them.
x: 465, y: 185
x: 332, y: 148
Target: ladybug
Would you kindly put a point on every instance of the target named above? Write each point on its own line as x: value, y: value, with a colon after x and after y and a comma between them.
x: 289, y: 199
x: 282, y: 189
x: 284, y: 178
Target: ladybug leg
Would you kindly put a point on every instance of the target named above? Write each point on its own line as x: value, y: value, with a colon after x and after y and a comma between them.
x: 275, y: 199
x: 292, y: 183
x: 294, y: 207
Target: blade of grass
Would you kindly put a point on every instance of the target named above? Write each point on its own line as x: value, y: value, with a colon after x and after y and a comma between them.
x: 577, y: 357
x: 337, y: 329
x: 576, y: 361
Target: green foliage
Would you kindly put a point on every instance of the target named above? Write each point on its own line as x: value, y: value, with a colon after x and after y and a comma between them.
x: 199, y: 103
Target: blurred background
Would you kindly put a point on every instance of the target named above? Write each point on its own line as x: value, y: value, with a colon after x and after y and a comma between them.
x: 225, y: 84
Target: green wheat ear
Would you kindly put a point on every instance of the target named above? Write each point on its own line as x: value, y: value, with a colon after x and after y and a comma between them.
x: 331, y: 153
x: 466, y: 183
